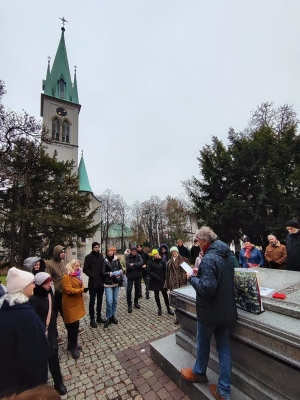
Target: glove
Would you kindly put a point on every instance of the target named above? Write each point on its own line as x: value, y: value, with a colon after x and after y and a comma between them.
x: 117, y: 273
x: 86, y: 289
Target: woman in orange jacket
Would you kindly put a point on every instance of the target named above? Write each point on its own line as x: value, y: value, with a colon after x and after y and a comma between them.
x: 72, y: 304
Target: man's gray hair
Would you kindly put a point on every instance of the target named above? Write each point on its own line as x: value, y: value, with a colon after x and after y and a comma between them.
x: 206, y: 233
x: 272, y: 236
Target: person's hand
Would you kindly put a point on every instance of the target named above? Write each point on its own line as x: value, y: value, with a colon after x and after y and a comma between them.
x: 144, y: 266
x: 195, y: 271
x: 188, y: 275
x: 131, y: 264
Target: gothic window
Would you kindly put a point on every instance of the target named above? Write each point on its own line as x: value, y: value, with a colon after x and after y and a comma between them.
x: 66, y: 132
x: 62, y: 89
x: 55, y: 129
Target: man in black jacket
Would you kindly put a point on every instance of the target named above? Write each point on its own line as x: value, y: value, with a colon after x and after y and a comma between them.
x: 134, y: 265
x: 93, y: 264
x: 183, y: 251
x: 145, y: 259
x: 293, y: 246
x: 216, y: 311
x: 195, y: 251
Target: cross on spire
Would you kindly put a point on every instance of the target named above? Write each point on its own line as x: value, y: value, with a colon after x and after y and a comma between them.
x: 49, y: 59
x: 63, y: 21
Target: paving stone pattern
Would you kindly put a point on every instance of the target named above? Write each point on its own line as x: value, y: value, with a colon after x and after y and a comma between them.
x: 115, y: 362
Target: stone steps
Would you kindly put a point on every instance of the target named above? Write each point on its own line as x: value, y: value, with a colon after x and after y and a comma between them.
x: 171, y: 357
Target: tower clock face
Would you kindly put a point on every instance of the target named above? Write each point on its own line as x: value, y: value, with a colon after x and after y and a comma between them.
x: 62, y: 112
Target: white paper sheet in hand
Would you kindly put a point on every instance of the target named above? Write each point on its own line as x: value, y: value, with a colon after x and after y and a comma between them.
x: 187, y: 268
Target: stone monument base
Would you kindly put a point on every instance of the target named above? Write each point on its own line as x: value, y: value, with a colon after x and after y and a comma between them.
x: 265, y: 348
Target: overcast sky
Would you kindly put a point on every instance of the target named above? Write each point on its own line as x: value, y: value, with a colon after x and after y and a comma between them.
x: 156, y: 79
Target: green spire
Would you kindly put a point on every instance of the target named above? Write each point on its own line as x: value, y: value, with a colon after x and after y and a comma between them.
x: 58, y: 83
x: 47, y: 82
x: 75, y: 92
x: 84, y: 184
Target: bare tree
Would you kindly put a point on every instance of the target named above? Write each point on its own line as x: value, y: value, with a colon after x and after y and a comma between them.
x: 110, y: 208
x: 122, y: 218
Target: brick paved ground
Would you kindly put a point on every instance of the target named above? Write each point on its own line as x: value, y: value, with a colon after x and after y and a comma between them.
x: 115, y: 362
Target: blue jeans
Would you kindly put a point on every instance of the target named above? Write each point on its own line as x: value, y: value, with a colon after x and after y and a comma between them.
x: 221, y: 334
x: 111, y: 294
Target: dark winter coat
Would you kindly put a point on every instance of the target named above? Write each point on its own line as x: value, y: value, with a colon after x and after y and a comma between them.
x: 40, y: 303
x: 183, y: 251
x: 145, y: 259
x: 93, y: 264
x: 214, y: 285
x: 256, y: 257
x: 56, y: 269
x: 293, y: 251
x: 176, y: 275
x: 24, y: 349
x: 164, y: 255
x: 195, y: 251
x: 156, y: 270
x: 144, y: 256
x: 134, y: 271
x: 108, y: 267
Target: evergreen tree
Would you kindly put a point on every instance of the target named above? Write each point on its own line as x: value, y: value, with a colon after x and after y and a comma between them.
x: 251, y: 186
x: 40, y: 205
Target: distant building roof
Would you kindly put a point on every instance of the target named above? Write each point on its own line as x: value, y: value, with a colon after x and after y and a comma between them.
x: 115, y: 231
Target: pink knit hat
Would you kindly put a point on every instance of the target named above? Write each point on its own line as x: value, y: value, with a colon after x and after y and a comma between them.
x: 17, y: 280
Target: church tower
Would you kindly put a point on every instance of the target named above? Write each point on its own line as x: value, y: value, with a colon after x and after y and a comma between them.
x: 60, y: 105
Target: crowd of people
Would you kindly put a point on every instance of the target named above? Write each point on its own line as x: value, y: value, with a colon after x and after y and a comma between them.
x: 38, y: 292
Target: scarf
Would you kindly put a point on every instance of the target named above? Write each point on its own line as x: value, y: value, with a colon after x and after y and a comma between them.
x: 76, y: 274
x: 248, y: 249
x: 110, y: 258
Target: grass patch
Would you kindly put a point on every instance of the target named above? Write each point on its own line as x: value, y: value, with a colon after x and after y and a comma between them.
x: 3, y: 279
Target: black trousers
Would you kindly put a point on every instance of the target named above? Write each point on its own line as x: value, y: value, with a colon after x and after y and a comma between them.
x: 165, y: 296
x: 130, y: 283
x: 73, y: 333
x: 54, y: 368
x: 58, y: 308
x: 95, y: 292
x: 146, y: 280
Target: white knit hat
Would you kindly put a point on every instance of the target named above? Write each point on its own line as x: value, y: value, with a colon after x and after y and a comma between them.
x: 17, y: 280
x: 41, y: 277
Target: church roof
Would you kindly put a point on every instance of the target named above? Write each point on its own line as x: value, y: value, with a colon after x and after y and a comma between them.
x: 84, y: 183
x: 58, y: 82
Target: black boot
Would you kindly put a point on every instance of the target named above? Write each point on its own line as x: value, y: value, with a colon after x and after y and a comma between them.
x: 171, y: 312
x: 159, y: 312
x: 114, y: 320
x: 136, y: 305
x: 93, y: 323
x: 75, y: 352
x: 101, y: 320
x: 130, y: 309
x: 69, y: 347
x: 107, y: 323
x: 60, y: 388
